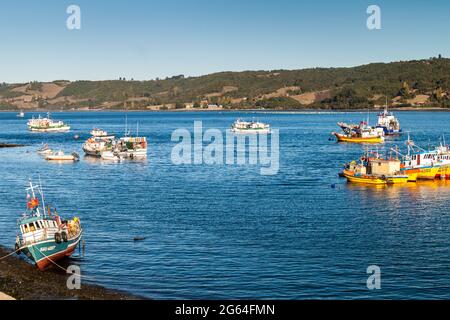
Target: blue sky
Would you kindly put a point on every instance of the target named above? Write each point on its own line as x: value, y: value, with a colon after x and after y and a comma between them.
x: 148, y: 39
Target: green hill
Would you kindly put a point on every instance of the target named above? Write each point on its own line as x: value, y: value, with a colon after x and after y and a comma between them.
x: 406, y: 83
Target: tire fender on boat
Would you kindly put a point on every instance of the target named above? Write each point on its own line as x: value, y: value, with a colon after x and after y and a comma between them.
x: 64, y: 236
x: 57, y: 237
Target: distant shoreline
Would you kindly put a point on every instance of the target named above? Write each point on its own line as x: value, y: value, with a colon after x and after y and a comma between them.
x: 430, y: 109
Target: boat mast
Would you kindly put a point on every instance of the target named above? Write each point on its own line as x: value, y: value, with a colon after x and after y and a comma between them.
x: 42, y: 195
x: 126, y: 125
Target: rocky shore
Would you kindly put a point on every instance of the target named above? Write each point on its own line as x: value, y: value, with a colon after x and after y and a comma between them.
x: 23, y: 281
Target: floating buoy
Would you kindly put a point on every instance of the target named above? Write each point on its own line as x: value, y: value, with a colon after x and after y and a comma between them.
x: 76, y: 137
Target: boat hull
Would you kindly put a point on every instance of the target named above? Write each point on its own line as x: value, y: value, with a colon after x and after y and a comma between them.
x: 46, y: 253
x: 251, y: 131
x: 351, y: 177
x: 427, y: 173
x: 61, y: 158
x: 390, y: 132
x: 343, y: 138
x: 56, y: 129
x: 376, y: 180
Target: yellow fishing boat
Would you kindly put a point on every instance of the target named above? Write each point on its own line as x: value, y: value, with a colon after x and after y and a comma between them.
x: 377, y: 171
x: 358, y: 139
x: 359, y: 133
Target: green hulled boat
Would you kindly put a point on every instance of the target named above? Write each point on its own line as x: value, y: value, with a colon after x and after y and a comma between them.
x: 44, y: 237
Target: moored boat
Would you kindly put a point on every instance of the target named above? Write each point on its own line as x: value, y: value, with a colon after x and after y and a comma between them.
x: 98, y: 143
x: 47, y: 125
x: 98, y: 133
x: 44, y: 237
x: 21, y: 114
x: 132, y: 147
x: 427, y: 164
x: 389, y: 123
x: 44, y: 150
x: 61, y: 156
x: 240, y: 126
x: 361, y: 133
x: 377, y: 170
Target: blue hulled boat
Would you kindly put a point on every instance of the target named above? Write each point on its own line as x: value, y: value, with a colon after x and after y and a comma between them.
x: 389, y: 123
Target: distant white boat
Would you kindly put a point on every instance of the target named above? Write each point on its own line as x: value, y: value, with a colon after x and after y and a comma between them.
x: 249, y: 127
x: 44, y: 150
x: 61, y: 156
x: 47, y: 125
x: 21, y: 114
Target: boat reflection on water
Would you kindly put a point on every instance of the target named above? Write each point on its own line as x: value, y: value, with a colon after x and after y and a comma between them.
x: 401, y: 195
x: 96, y: 160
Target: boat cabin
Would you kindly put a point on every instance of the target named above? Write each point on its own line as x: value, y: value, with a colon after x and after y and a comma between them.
x: 383, y: 166
x: 34, y: 229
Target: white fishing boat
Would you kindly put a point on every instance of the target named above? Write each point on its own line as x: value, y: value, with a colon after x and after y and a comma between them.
x: 47, y: 125
x: 250, y: 127
x: 21, y: 114
x: 44, y: 150
x: 98, y: 143
x: 61, y: 156
x: 98, y: 133
x: 388, y: 122
x: 133, y: 147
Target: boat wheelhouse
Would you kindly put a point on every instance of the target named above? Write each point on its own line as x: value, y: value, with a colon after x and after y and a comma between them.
x: 44, y: 237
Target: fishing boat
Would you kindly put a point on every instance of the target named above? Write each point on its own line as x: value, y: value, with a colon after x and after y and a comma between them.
x: 98, y: 143
x: 377, y: 170
x: 98, y: 133
x: 44, y: 236
x: 44, y: 150
x: 361, y: 133
x: 47, y: 125
x: 427, y: 164
x: 132, y: 147
x: 21, y: 114
x: 61, y: 156
x: 240, y: 126
x: 389, y: 123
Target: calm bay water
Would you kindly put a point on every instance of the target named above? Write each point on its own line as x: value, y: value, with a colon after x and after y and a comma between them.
x: 225, y: 231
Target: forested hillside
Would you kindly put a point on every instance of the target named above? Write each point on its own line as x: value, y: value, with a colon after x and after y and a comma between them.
x: 422, y: 83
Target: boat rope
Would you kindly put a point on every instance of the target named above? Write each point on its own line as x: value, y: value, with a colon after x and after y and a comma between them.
x: 10, y: 254
x: 64, y: 269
